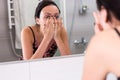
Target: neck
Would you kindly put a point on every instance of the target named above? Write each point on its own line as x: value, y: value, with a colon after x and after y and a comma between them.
x: 40, y: 31
x: 115, y: 22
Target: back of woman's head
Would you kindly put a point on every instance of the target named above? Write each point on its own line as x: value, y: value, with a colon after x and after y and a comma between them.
x: 43, y: 4
x: 111, y: 6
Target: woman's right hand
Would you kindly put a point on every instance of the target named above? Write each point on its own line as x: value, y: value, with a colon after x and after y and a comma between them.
x: 48, y: 30
x: 97, y: 26
x: 101, y: 22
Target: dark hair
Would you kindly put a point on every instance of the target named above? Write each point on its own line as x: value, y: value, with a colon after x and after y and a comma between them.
x: 111, y: 6
x: 43, y: 4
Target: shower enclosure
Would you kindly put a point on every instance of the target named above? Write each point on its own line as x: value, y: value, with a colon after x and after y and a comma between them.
x: 78, y: 20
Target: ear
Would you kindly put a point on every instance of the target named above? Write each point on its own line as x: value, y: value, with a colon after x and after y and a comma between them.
x: 103, y: 15
x: 37, y: 21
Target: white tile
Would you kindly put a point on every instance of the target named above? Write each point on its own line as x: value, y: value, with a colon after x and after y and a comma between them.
x: 57, y: 69
x: 14, y: 71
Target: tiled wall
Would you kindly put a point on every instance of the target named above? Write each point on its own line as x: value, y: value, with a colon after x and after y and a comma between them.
x: 79, y: 25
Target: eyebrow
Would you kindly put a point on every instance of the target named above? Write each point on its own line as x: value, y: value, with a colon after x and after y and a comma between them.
x: 47, y: 13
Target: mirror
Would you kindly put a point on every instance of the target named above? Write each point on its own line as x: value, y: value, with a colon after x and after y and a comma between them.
x: 77, y: 18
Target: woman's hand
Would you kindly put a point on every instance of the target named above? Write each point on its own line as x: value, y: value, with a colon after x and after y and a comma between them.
x: 98, y: 27
x: 48, y: 30
x: 53, y: 28
x: 58, y: 28
x: 101, y: 22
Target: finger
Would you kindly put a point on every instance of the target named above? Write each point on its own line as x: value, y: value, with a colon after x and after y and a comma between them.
x: 47, y: 22
x: 98, y: 28
x: 103, y: 16
x: 52, y: 22
x: 96, y: 17
x: 56, y: 25
x: 60, y: 22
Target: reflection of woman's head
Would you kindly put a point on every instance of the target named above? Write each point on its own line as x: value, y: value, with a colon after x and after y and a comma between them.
x: 111, y: 6
x: 44, y: 4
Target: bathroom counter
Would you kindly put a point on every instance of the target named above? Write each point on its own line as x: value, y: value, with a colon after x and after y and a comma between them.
x: 55, y: 68
x: 41, y: 59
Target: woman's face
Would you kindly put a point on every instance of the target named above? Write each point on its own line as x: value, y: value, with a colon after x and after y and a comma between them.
x: 47, y: 12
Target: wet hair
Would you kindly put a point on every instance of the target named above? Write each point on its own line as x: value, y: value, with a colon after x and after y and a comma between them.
x: 43, y: 4
x: 111, y: 6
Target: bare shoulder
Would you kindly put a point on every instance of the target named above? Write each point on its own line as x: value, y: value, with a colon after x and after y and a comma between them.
x: 26, y: 34
x: 104, y: 47
x: 25, y: 30
x: 105, y: 39
x: 103, y: 44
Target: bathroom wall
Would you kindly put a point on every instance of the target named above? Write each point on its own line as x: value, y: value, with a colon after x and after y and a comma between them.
x: 79, y: 25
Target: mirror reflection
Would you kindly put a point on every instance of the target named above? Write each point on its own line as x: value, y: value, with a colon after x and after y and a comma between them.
x: 42, y: 39
x: 18, y: 14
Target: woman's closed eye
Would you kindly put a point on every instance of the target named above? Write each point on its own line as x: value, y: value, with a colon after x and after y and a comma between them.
x: 48, y: 17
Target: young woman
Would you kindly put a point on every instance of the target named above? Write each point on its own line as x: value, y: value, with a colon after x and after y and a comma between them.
x: 42, y: 39
x: 103, y: 52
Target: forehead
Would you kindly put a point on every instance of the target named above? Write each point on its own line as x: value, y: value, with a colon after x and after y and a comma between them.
x: 51, y: 9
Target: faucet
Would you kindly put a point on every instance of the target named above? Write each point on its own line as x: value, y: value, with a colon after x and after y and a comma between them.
x: 83, y: 42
